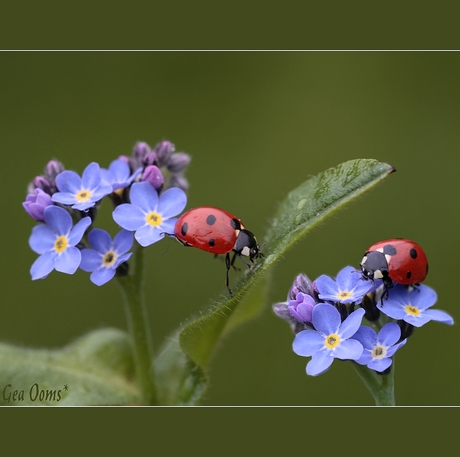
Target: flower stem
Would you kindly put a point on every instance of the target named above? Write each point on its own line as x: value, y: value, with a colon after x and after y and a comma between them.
x: 132, y: 287
x: 381, y: 387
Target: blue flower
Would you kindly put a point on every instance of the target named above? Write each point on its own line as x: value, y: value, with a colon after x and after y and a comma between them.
x: 81, y: 193
x: 411, y: 305
x: 118, y: 175
x: 55, y: 241
x: 347, y: 288
x: 149, y: 215
x: 106, y: 255
x: 378, y: 349
x: 36, y: 203
x: 330, y: 339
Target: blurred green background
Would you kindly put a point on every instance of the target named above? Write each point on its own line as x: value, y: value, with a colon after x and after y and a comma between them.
x: 256, y: 124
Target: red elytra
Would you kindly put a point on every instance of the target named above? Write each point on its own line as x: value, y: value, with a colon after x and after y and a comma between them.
x: 217, y: 231
x: 398, y: 260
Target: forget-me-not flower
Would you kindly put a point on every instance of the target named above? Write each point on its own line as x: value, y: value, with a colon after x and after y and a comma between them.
x: 118, y: 175
x: 81, y: 193
x: 150, y: 216
x: 55, y: 241
x: 347, y: 288
x: 411, y: 304
x: 378, y: 349
x: 106, y: 255
x: 330, y: 339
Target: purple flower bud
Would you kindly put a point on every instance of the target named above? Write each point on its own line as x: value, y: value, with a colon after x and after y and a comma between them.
x: 178, y: 181
x: 150, y: 158
x: 40, y: 182
x: 178, y: 162
x: 52, y: 169
x: 164, y: 151
x: 153, y: 175
x: 140, y: 150
x: 301, y: 284
x: 302, y: 307
x: 36, y: 203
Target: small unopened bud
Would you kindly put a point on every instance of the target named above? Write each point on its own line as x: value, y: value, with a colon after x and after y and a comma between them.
x: 140, y: 150
x: 303, y: 284
x: 164, y: 151
x: 153, y: 175
x: 178, y: 162
x: 52, y: 169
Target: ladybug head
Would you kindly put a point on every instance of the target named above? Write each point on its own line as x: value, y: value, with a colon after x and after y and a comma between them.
x: 246, y: 245
x: 374, y: 266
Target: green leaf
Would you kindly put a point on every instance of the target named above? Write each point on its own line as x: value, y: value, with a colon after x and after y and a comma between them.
x: 97, y: 370
x: 305, y: 207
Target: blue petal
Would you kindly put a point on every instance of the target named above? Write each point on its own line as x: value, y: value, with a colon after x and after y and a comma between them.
x: 326, y: 319
x: 144, y: 195
x: 68, y: 181
x: 168, y: 225
x: 123, y: 258
x: 391, y: 350
x: 348, y: 278
x: 307, y: 342
x: 417, y: 321
x: 65, y: 198
x: 120, y: 170
x: 366, y: 336
x: 102, y: 275
x: 100, y: 240
x: 123, y: 241
x: 439, y: 316
x: 90, y: 260
x: 42, y: 239
x: 68, y: 261
x: 83, y: 206
x: 79, y: 229
x: 319, y: 363
x: 348, y: 349
x: 43, y: 266
x: 393, y: 309
x: 380, y: 364
x: 423, y: 297
x: 129, y: 217
x: 351, y: 324
x: 91, y: 178
x: 389, y: 334
x: 172, y: 202
x: 327, y: 287
x: 101, y: 192
x: 148, y: 235
x: 58, y: 219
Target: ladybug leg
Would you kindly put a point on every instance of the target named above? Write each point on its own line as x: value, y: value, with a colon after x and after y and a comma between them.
x: 232, y: 263
x: 244, y: 261
x: 227, y: 280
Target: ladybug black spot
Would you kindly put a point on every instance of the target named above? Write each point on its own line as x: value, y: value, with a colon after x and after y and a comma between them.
x: 184, y: 228
x: 389, y: 249
x: 413, y: 253
x: 212, y: 242
x: 211, y: 219
x: 408, y: 274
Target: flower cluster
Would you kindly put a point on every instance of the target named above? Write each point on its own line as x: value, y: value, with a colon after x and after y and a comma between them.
x: 147, y: 190
x: 326, y: 316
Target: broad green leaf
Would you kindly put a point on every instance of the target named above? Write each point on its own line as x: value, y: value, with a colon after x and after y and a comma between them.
x: 96, y: 369
x: 305, y: 207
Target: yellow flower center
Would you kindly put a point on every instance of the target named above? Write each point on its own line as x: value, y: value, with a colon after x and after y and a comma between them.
x: 60, y: 245
x: 379, y: 352
x: 83, y: 195
x: 332, y: 341
x: 153, y: 218
x: 109, y: 258
x: 412, y: 310
x: 344, y: 295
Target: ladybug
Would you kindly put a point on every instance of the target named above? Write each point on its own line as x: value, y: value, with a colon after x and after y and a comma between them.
x: 397, y: 260
x: 219, y: 232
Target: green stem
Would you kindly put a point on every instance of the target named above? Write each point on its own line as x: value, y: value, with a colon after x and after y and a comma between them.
x: 381, y: 387
x: 132, y: 287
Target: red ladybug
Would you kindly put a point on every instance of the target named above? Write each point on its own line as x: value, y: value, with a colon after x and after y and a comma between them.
x: 215, y: 230
x: 396, y: 260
